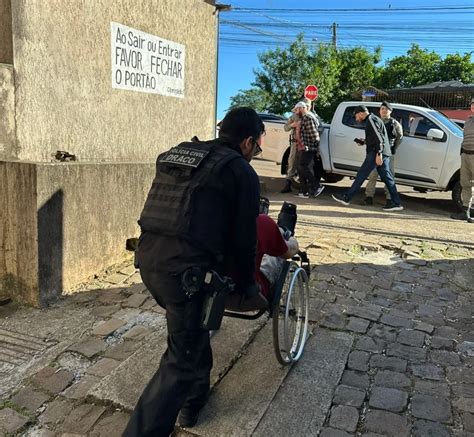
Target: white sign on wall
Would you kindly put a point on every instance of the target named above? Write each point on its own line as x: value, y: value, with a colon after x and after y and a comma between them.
x: 146, y: 63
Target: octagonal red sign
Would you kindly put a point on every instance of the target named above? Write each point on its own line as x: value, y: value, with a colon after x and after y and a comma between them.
x: 311, y: 92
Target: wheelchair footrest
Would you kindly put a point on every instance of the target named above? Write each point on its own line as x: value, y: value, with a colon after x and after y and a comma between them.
x: 244, y: 316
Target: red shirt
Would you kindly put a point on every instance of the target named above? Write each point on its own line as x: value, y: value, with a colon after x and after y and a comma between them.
x: 269, y: 242
x: 298, y: 139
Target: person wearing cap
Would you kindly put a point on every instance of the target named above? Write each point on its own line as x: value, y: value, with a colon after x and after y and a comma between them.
x: 308, y: 152
x: 467, y: 171
x: 377, y: 156
x: 199, y: 216
x: 395, y: 136
x: 291, y: 126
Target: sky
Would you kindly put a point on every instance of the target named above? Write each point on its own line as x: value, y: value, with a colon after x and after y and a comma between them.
x: 255, y: 26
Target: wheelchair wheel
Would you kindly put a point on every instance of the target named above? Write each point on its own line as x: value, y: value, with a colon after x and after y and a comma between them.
x: 290, y: 316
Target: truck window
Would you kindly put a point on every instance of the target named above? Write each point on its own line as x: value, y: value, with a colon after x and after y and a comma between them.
x: 348, y: 119
x: 455, y: 128
x: 414, y: 124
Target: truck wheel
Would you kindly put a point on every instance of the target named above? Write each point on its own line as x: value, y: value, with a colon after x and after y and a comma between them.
x: 332, y: 178
x: 284, y: 162
x: 456, y: 195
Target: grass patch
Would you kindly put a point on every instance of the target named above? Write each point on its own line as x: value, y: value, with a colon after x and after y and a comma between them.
x: 356, y: 250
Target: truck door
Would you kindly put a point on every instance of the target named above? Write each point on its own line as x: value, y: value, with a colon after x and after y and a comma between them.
x: 346, y: 155
x: 419, y: 159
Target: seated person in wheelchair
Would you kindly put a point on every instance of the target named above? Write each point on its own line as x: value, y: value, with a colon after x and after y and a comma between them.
x: 272, y: 250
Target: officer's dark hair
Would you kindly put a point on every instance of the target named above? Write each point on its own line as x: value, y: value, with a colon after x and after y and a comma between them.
x: 241, y: 123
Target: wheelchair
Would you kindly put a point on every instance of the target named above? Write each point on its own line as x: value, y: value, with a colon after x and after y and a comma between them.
x: 288, y: 309
x: 289, y: 302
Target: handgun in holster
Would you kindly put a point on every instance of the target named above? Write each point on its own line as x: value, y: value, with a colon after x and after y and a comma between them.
x: 216, y: 289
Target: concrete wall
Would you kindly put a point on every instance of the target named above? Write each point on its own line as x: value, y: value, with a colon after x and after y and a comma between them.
x: 64, y: 96
x: 62, y: 222
x: 6, y: 45
x: 91, y: 209
x: 7, y: 113
x: 18, y: 232
x: 65, y: 222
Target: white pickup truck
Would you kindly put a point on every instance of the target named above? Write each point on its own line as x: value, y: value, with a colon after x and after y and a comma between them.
x: 428, y: 157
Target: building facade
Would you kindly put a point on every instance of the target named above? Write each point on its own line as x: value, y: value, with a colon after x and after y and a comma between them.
x: 114, y: 83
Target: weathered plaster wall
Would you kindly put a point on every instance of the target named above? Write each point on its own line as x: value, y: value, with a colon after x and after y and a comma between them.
x: 7, y: 113
x: 86, y: 212
x: 61, y: 223
x: 18, y: 232
x: 64, y: 96
x: 6, y: 45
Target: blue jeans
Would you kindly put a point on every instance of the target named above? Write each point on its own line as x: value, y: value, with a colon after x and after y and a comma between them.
x: 384, y: 172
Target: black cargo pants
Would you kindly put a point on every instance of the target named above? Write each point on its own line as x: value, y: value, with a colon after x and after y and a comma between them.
x: 183, y: 377
x: 309, y: 171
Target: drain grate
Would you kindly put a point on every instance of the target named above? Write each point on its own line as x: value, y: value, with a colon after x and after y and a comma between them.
x: 17, y: 348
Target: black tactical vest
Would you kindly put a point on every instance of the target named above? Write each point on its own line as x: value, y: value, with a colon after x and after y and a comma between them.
x: 180, y: 173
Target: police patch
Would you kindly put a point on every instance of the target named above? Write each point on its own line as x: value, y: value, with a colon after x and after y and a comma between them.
x: 185, y: 156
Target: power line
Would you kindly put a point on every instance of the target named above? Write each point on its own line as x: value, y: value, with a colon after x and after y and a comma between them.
x: 437, y: 35
x: 311, y: 10
x: 234, y: 23
x: 357, y: 26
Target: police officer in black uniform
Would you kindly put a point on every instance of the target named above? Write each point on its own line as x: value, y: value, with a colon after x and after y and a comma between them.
x: 200, y: 214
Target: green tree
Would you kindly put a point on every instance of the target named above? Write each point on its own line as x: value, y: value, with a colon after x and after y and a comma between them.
x: 457, y: 67
x: 284, y: 73
x: 254, y: 97
x: 417, y: 67
x: 357, y: 71
x: 325, y: 75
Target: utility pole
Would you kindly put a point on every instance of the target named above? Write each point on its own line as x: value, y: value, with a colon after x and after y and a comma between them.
x: 334, y: 35
x: 219, y: 8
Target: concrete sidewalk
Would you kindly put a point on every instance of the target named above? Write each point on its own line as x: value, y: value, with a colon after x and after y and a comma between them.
x: 391, y: 350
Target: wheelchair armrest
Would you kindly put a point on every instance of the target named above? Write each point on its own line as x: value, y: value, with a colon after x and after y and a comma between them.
x: 302, y: 258
x: 305, y: 264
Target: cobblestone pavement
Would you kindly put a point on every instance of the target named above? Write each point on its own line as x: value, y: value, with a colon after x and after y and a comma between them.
x: 410, y: 307
x: 408, y: 304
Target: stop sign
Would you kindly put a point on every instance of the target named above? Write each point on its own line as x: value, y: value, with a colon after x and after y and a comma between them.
x: 311, y: 92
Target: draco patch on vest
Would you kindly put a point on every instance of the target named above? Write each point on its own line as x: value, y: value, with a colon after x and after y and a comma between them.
x: 185, y: 156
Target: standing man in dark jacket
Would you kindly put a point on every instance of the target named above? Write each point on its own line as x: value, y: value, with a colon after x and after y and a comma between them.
x: 377, y: 156
x: 395, y: 135
x: 200, y: 215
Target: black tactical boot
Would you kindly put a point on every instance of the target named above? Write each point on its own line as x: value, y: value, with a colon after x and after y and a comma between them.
x: 188, y: 420
x: 287, y: 187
